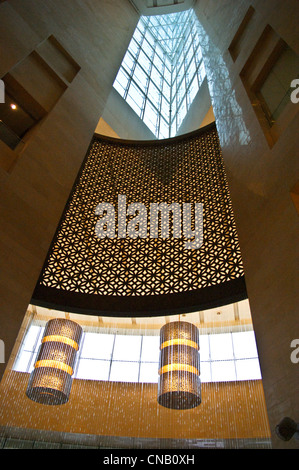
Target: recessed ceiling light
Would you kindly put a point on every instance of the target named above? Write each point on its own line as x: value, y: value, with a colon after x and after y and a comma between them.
x: 13, y: 106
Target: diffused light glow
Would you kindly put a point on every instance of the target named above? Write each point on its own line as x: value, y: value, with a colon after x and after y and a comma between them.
x: 13, y: 106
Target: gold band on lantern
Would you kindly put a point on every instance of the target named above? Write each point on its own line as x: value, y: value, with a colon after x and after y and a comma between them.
x: 61, y: 339
x: 180, y: 367
x: 55, y: 365
x: 184, y: 342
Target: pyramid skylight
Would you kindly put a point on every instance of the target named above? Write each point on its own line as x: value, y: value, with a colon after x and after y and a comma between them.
x: 162, y: 71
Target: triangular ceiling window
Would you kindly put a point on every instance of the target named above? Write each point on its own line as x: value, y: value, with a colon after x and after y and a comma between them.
x: 162, y: 71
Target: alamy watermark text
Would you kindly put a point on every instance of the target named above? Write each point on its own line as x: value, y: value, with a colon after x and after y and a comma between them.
x: 189, y: 216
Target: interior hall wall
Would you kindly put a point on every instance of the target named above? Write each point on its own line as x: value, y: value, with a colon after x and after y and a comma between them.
x: 35, y: 181
x: 260, y: 180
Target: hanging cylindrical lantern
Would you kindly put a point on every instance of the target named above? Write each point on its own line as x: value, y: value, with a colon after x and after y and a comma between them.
x: 51, y: 380
x: 179, y: 369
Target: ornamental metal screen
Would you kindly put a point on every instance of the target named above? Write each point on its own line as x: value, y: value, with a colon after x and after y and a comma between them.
x: 189, y: 169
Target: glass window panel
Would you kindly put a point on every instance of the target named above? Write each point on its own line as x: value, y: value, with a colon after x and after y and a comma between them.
x: 189, y: 56
x: 166, y: 90
x: 204, y: 348
x: 124, y: 371
x: 145, y: 62
x: 93, y: 369
x: 127, y: 348
x: 141, y: 27
x: 221, y: 346
x: 32, y: 337
x: 121, y: 82
x: 150, y: 349
x: 150, y: 117
x: 187, y: 45
x: 148, y: 49
x: 193, y: 89
x: 149, y: 372
x: 163, y: 129
x: 160, y: 52
x: 180, y: 75
x: 181, y: 112
x: 153, y: 94
x: 140, y: 78
x: 244, y: 344
x: 158, y: 62
x: 165, y: 111
x: 33, y: 360
x: 138, y: 33
x: 248, y: 369
x: 191, y: 71
x: 118, y: 87
x: 23, y: 362
x: 135, y: 98
x: 97, y: 346
x: 167, y: 75
x: 133, y: 47
x: 205, y: 372
x: 157, y: 78
x: 223, y: 371
x: 181, y: 91
x: 134, y: 105
x: 128, y: 62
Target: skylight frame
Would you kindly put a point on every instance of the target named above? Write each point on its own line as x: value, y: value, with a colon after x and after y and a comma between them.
x: 166, y: 124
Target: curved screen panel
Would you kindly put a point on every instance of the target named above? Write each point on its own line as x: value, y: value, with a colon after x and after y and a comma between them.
x: 148, y: 229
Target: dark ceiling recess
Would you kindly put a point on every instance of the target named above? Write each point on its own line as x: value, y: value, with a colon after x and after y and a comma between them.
x: 145, y: 276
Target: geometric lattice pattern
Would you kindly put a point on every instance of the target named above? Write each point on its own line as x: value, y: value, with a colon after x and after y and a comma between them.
x: 185, y: 170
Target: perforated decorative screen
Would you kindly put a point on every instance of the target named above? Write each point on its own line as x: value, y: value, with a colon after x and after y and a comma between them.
x: 83, y: 271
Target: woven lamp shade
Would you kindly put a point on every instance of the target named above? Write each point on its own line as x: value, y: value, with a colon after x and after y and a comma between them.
x: 179, y: 369
x: 51, y: 380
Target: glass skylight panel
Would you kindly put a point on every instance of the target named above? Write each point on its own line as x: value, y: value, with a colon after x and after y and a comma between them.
x: 248, y: 368
x: 127, y: 348
x: 135, y: 98
x: 148, y: 372
x: 150, y: 349
x: 121, y: 82
x: 204, y: 348
x: 221, y: 347
x: 23, y: 362
x: 32, y: 337
x: 93, y: 369
x: 124, y: 371
x: 205, y: 372
x: 244, y: 345
x: 223, y: 371
x: 164, y: 49
x: 97, y: 347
